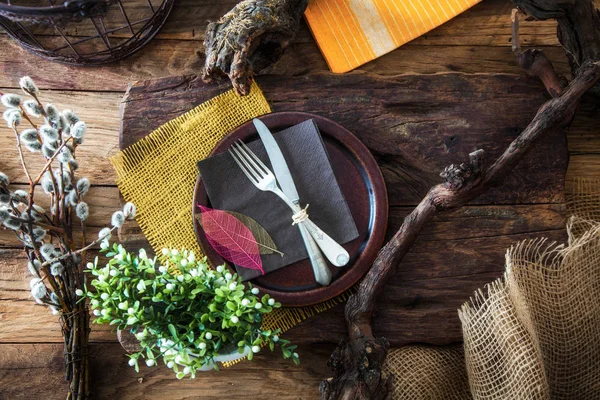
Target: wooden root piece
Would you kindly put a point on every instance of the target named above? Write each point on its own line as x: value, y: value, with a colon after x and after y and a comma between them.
x: 357, y: 362
x: 249, y: 38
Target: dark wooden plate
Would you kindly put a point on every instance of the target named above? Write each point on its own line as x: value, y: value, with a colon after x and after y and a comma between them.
x: 363, y: 186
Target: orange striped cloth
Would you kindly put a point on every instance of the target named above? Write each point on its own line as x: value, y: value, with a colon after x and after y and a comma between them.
x: 351, y: 33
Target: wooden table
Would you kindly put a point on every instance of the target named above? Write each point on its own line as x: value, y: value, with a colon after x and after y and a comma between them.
x: 475, y: 43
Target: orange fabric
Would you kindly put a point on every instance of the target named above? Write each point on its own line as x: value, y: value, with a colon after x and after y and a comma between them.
x: 353, y: 32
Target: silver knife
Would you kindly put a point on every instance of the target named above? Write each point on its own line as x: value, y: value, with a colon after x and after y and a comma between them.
x: 333, y: 251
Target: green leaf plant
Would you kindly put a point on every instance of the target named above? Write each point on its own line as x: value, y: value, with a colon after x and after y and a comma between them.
x: 182, y: 312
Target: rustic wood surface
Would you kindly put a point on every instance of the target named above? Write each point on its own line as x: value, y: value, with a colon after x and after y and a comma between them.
x: 473, y: 49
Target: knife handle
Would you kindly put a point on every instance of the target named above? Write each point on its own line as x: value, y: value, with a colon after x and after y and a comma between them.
x: 319, y: 265
x: 332, y: 249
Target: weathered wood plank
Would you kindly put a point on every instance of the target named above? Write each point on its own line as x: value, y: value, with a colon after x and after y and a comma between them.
x: 34, y: 371
x: 465, y: 246
x: 161, y: 58
x: 415, y: 125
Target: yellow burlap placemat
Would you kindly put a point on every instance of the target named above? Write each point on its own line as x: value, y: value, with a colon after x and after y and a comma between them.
x: 533, y: 334
x: 158, y: 174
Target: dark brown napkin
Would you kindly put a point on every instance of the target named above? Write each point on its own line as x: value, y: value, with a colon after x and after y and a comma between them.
x: 302, y: 146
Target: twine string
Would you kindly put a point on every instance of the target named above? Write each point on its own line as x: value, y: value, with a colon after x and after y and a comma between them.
x: 300, y: 216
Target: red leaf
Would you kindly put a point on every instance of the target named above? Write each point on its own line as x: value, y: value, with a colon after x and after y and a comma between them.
x: 231, y: 238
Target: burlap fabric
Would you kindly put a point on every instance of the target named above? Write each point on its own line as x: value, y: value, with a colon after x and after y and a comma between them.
x: 533, y: 334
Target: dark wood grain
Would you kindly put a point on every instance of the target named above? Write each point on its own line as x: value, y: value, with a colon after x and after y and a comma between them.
x: 33, y: 371
x: 414, y: 125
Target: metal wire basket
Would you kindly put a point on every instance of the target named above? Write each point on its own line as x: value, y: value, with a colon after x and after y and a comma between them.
x: 83, y: 32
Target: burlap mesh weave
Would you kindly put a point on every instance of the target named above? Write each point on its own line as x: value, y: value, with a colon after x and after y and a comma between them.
x: 533, y: 334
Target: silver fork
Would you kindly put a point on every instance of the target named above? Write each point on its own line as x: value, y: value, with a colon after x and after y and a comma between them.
x: 258, y: 173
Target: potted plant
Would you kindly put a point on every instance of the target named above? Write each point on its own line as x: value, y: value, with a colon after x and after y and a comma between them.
x: 181, y: 311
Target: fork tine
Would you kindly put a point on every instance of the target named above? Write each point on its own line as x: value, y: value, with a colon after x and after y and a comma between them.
x: 244, y: 159
x: 253, y: 155
x: 250, y: 177
x: 250, y: 163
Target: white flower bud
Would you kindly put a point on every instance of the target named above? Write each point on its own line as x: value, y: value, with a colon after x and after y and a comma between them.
x: 57, y: 269
x: 295, y: 355
x: 131, y: 362
x: 165, y: 252
x: 78, y: 130
x: 183, y: 262
x: 220, y: 269
x: 51, y: 112
x: 255, y: 291
x: 192, y: 257
x: 105, y: 233
x: 118, y: 219
x: 208, y: 335
x: 187, y: 370
x: 255, y: 349
x: 70, y: 116
x: 228, y: 276
x: 271, y: 302
x: 47, y: 150
x: 258, y: 306
x: 170, y: 364
x: 174, y: 252
x: 130, y: 310
x: 79, y: 292
x: 122, y: 306
x: 11, y: 100
x: 170, y: 286
x: 96, y: 313
x: 82, y: 211
x: 234, y: 319
x: 38, y: 289
x: 276, y: 338
x: 48, y: 133
x: 12, y: 116
x: 150, y: 362
x: 129, y: 210
x: 28, y: 85
x: 202, y: 345
x: 104, y: 244
x: 101, y: 278
x: 232, y: 286
x: 32, y: 108
x: 12, y: 223
x: 162, y: 269
x: 65, y: 155
x: 47, y: 250
x: 34, y: 147
x: 83, y: 185
x: 104, y: 296
x: 245, y: 302
x: 141, y: 286
x: 28, y: 135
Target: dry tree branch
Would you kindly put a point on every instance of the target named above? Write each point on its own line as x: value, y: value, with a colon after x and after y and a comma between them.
x: 250, y: 38
x: 357, y: 362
